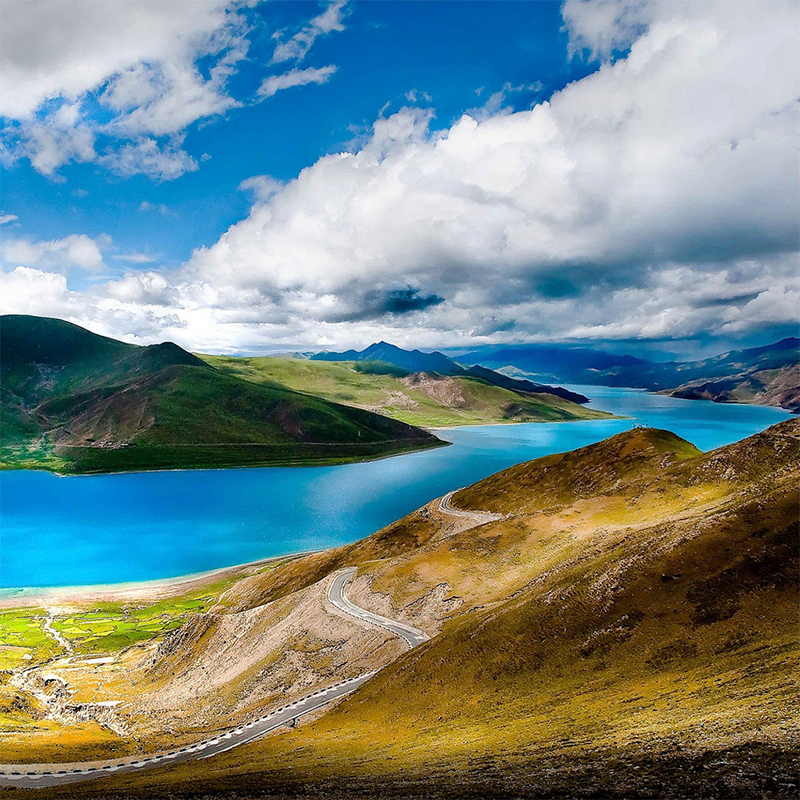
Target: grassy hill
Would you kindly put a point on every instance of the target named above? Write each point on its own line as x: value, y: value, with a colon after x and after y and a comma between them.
x: 421, y: 398
x: 436, y: 363
x: 629, y: 629
x: 74, y: 401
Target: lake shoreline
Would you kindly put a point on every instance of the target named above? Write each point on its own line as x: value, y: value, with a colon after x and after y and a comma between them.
x: 165, y: 531
x: 26, y: 597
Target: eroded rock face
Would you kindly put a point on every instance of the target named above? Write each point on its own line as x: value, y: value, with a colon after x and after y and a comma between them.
x: 399, y: 400
x: 444, y: 390
x: 55, y: 695
x: 224, y: 667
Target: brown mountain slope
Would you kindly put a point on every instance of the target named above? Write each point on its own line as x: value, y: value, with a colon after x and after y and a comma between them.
x: 630, y: 630
x: 768, y: 387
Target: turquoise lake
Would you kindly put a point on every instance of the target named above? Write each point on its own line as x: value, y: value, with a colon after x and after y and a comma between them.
x: 119, y: 528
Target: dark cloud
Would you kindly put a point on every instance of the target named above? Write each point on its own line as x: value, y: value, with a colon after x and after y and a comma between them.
x: 380, y: 303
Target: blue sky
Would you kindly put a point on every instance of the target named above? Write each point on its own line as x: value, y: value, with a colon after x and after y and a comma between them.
x: 118, y: 191
x: 451, y: 51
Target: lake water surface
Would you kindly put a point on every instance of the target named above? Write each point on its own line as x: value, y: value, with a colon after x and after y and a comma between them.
x: 118, y: 528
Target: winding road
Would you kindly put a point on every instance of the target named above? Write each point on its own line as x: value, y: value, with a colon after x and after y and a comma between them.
x: 40, y: 775
x: 411, y: 636
x: 477, y: 517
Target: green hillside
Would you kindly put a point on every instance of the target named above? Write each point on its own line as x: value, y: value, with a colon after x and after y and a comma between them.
x: 423, y: 399
x: 73, y: 401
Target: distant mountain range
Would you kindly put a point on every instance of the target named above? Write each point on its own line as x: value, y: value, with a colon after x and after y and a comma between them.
x: 74, y: 401
x: 768, y: 375
x: 414, y: 361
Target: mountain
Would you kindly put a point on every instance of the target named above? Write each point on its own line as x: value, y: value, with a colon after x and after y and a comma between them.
x: 766, y: 374
x: 411, y: 360
x: 559, y: 363
x: 436, y: 363
x: 627, y: 628
x: 75, y: 401
x: 428, y: 399
x: 523, y: 385
x: 770, y: 387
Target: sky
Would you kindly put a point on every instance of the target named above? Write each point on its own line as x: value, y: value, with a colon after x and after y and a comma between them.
x: 246, y: 176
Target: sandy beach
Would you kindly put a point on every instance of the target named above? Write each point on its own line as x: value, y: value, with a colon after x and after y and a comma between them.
x: 140, y: 590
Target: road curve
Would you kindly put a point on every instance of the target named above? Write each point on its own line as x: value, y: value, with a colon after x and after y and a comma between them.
x: 478, y: 517
x: 411, y: 636
x: 31, y: 776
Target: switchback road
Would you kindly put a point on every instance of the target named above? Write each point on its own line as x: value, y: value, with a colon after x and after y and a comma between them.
x: 31, y: 776
x: 411, y: 636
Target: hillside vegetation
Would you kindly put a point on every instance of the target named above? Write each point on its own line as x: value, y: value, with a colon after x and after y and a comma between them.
x: 418, y: 398
x: 73, y: 401
x: 629, y: 628
x: 436, y: 363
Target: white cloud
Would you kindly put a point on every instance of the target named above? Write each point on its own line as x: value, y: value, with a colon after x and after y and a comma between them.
x: 77, y: 250
x: 136, y: 58
x: 262, y: 187
x: 413, y: 96
x: 6, y: 218
x: 51, y: 144
x: 296, y: 47
x: 650, y: 162
x: 775, y: 302
x: 52, y: 48
x: 602, y: 26
x: 147, y: 157
x: 496, y: 102
x: 141, y: 288
x: 296, y: 77
x: 655, y: 197
x: 136, y: 73
x: 31, y: 291
x: 135, y: 258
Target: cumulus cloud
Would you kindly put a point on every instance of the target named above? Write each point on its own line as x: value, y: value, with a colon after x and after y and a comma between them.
x: 52, y: 49
x: 77, y: 250
x: 141, y: 288
x: 647, y: 166
x: 295, y: 77
x: 5, y: 219
x: 131, y: 75
x: 135, y: 59
x: 656, y: 197
x: 32, y: 291
x: 262, y: 187
x: 161, y: 162
x: 496, y: 102
x: 601, y: 27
